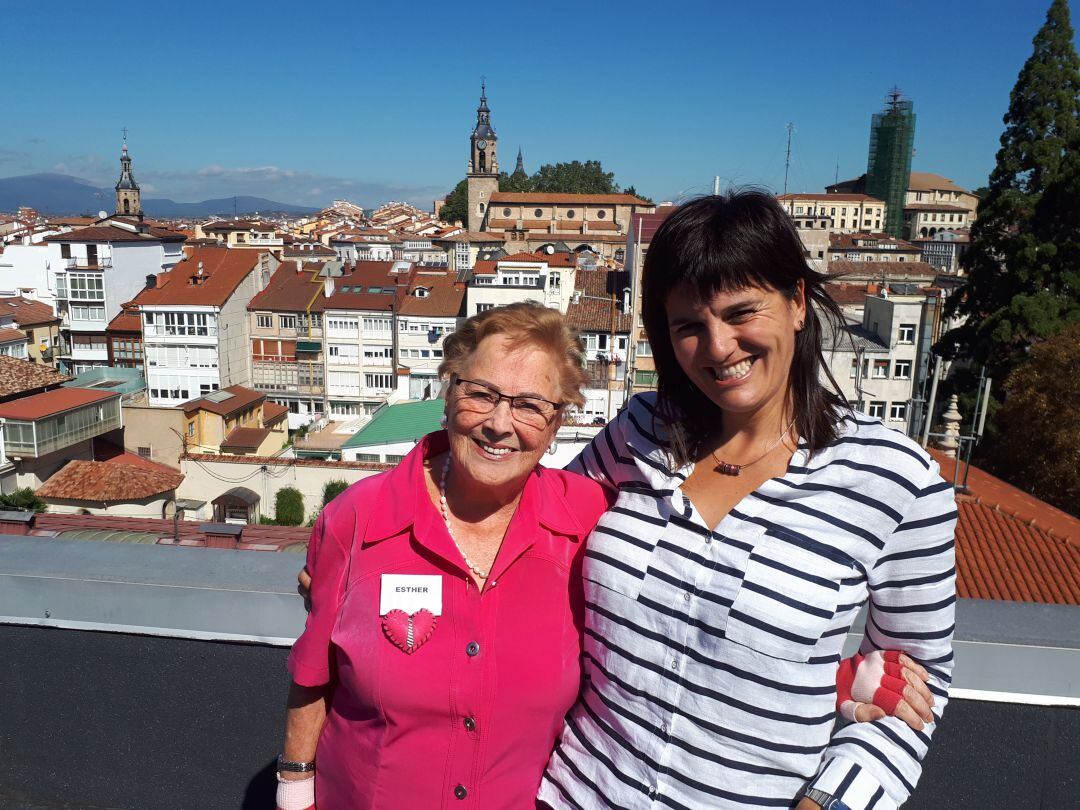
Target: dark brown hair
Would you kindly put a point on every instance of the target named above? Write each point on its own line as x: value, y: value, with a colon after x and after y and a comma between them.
x: 721, y: 244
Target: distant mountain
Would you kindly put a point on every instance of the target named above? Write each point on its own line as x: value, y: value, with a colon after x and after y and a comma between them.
x: 57, y: 194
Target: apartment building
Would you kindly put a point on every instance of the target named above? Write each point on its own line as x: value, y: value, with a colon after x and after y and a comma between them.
x: 642, y: 369
x: 432, y: 308
x: 548, y: 279
x: 845, y: 213
x: 286, y: 327
x: 244, y: 233
x: 94, y: 271
x: 599, y: 311
x: 195, y: 323
x: 39, y: 325
x: 868, y: 247
x: 464, y: 248
x: 234, y: 421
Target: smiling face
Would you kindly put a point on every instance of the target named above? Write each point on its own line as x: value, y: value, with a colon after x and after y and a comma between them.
x: 737, y: 347
x: 494, y: 450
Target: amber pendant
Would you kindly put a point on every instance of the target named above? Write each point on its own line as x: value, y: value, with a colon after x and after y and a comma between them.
x: 729, y: 469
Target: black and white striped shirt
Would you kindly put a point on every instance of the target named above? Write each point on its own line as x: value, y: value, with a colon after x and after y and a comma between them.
x: 710, y: 656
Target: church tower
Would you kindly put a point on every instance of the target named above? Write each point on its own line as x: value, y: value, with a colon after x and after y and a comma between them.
x: 483, y: 175
x: 128, y: 196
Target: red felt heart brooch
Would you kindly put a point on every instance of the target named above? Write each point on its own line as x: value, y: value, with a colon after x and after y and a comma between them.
x: 408, y: 633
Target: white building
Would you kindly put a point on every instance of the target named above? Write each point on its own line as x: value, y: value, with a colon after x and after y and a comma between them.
x: 195, y: 323
x: 882, y: 362
x: 547, y: 279
x: 432, y: 308
x: 96, y: 269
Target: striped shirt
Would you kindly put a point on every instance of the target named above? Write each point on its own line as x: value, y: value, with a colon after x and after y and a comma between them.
x: 711, y: 656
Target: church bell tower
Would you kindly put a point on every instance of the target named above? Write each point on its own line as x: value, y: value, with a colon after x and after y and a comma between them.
x: 483, y: 175
x: 128, y: 196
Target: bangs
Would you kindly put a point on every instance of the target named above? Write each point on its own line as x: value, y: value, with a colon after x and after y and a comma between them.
x: 725, y: 247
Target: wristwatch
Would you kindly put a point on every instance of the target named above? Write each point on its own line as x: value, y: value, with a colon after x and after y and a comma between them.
x: 826, y: 800
x: 294, y: 767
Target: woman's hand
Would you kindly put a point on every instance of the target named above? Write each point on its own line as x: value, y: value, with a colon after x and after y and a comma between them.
x: 885, y: 683
x: 304, y: 587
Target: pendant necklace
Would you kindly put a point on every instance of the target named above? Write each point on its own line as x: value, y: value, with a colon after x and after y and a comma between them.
x: 727, y: 468
x: 480, y: 573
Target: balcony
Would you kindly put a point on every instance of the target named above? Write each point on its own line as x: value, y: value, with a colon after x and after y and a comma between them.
x: 45, y: 423
x: 78, y: 263
x: 192, y: 645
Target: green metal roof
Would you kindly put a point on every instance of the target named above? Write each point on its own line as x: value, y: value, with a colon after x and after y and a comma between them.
x: 401, y: 422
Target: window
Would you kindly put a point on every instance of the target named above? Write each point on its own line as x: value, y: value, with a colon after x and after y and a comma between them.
x: 483, y: 307
x: 898, y: 411
x: 343, y: 325
x: 601, y: 214
x: 855, y: 367
x: 644, y: 349
x: 877, y: 409
x: 65, y: 251
x: 287, y: 321
x: 571, y: 214
x: 344, y: 409
x: 344, y: 352
x: 881, y: 369
x: 645, y: 378
x: 368, y: 458
x: 506, y: 212
x: 907, y: 333
x: 86, y: 286
x: 378, y: 381
x: 85, y: 313
x: 190, y: 428
x: 265, y: 321
x: 378, y: 355
x: 376, y: 324
x: 539, y: 212
x: 902, y: 369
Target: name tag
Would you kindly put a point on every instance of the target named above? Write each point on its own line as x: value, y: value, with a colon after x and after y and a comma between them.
x: 410, y: 593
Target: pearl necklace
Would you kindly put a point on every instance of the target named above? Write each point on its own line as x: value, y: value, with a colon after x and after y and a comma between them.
x: 480, y: 573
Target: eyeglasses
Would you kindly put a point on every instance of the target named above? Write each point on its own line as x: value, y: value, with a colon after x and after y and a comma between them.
x: 476, y: 397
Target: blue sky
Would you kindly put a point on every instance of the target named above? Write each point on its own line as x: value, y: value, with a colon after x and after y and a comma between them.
x: 304, y: 102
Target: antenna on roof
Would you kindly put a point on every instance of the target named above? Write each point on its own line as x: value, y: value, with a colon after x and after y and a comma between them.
x: 787, y: 160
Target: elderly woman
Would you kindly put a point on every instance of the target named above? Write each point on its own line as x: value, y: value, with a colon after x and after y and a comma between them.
x: 755, y: 514
x: 443, y: 648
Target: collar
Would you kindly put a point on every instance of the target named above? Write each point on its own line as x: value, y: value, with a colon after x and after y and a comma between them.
x: 402, y: 500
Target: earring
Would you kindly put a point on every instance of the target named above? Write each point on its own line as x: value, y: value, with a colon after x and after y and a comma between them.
x: 442, y: 420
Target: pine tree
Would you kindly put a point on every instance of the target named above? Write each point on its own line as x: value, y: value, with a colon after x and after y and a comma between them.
x: 1022, y: 266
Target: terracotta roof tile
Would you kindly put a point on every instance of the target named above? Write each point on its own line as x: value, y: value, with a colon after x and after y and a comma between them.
x: 241, y: 399
x: 1012, y: 546
x: 243, y: 438
x: 273, y: 413
x: 127, y: 321
x: 52, y: 402
x: 106, y: 482
x: 27, y: 312
x: 444, y: 299
x: 9, y: 334
x: 596, y: 311
x: 531, y: 198
x: 223, y: 272
x: 841, y: 267
x: 602, y: 225
x: 292, y: 291
x: 253, y: 536
x: 17, y: 376
x: 112, y: 233
x: 831, y: 198
x: 928, y: 181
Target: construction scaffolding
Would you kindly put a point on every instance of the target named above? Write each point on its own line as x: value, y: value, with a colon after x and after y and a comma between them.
x: 888, y: 168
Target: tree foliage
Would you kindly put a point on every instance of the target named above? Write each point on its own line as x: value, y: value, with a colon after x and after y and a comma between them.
x: 1038, y: 442
x: 288, y: 507
x: 1023, y: 264
x: 332, y: 489
x: 456, y: 207
x: 22, y: 500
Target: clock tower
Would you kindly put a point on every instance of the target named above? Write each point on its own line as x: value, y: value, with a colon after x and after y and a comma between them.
x: 483, y: 175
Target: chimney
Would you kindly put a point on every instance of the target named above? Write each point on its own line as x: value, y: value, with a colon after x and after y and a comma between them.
x: 299, y: 265
x: 151, y: 281
x: 16, y: 523
x: 328, y: 286
x: 221, y: 535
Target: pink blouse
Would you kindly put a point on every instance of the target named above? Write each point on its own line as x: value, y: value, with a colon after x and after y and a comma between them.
x: 467, y: 715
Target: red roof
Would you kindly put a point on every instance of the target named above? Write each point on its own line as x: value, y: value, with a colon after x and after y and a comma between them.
x: 596, y: 310
x: 645, y: 224
x: 106, y: 482
x: 273, y: 413
x: 531, y: 198
x: 128, y: 320
x: 444, y: 298
x: 241, y: 399
x: 9, y: 334
x: 842, y: 267
x: 112, y: 233
x: 863, y: 198
x: 243, y: 438
x: 292, y: 291
x: 17, y: 376
x: 223, y: 271
x: 39, y: 406
x: 1012, y: 546
x: 27, y: 312
x: 524, y: 257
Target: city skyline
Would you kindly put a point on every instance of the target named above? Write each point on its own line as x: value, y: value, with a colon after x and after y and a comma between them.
x: 214, y: 109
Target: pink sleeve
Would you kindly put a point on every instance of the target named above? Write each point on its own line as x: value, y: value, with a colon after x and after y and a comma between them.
x: 310, y: 661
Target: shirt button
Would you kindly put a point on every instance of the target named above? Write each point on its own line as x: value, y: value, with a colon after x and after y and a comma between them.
x: 686, y: 596
x: 674, y: 663
x: 460, y: 792
x: 469, y: 723
x: 472, y: 650
x: 708, y: 540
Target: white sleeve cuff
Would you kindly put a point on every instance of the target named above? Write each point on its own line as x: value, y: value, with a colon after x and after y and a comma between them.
x: 846, y: 780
